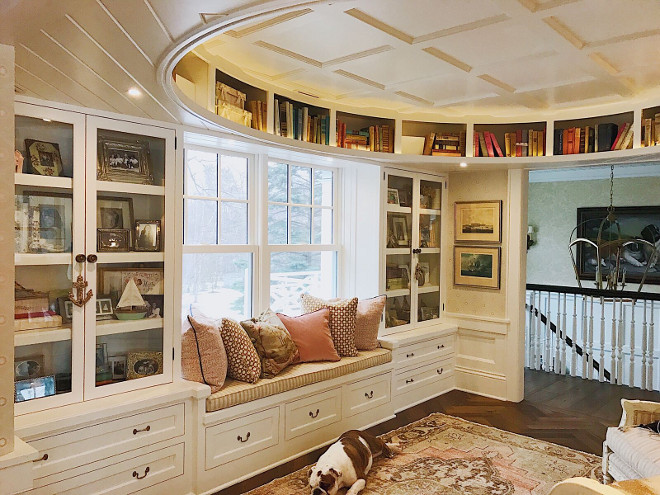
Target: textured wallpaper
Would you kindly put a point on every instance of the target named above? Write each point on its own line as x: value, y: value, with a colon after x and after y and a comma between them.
x: 553, y: 213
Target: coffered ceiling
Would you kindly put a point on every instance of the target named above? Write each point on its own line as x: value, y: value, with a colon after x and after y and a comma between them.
x: 442, y: 57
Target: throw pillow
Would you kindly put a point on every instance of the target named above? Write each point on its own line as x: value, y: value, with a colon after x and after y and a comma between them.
x: 273, y: 343
x: 311, y: 334
x: 367, y: 322
x: 637, y: 412
x: 243, y: 362
x: 203, y: 357
x: 342, y: 320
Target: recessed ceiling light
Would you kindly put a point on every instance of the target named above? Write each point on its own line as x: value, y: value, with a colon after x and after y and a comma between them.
x: 134, y: 92
x: 463, y: 164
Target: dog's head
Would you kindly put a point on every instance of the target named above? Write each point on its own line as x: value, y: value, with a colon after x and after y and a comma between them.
x: 324, y: 483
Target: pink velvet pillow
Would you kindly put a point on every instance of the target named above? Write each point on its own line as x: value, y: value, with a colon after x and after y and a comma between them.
x: 203, y: 357
x: 311, y: 334
x: 367, y: 322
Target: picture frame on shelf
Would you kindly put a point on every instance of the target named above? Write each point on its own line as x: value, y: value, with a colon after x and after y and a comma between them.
x: 426, y: 269
x: 477, y: 266
x: 101, y: 356
x: 21, y: 225
x: 112, y: 281
x: 143, y: 364
x: 113, y: 240
x: 44, y: 158
x: 29, y: 367
x: 478, y: 221
x: 147, y: 235
x: 124, y: 161
x: 155, y: 303
x: 104, y: 308
x: 399, y: 228
x: 118, y: 367
x: 392, y: 196
x: 65, y: 307
x: 35, y: 388
x: 114, y: 212
x: 49, y: 217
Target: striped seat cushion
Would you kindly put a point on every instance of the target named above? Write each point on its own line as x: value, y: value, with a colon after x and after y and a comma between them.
x: 295, y: 376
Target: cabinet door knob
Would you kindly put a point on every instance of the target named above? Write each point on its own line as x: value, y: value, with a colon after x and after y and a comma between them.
x: 136, y: 431
x: 410, y: 380
x: 417, y: 251
x: 439, y: 371
x: 369, y: 395
x: 80, y: 258
x: 136, y: 475
x: 441, y: 346
x: 240, y: 438
x: 412, y: 354
x: 92, y: 258
x: 313, y: 415
x: 42, y: 458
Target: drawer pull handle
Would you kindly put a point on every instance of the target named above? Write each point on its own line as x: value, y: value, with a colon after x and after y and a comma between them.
x: 410, y: 380
x: 240, y: 438
x: 136, y: 475
x: 439, y: 371
x: 441, y: 346
x: 312, y: 415
x: 136, y: 431
x: 42, y: 458
x: 369, y: 395
x: 412, y: 354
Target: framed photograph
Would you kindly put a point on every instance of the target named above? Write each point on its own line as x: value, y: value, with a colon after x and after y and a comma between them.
x: 147, y: 235
x: 48, y: 218
x: 44, y: 158
x: 28, y: 367
x: 146, y: 363
x: 642, y: 222
x: 478, y: 221
x: 21, y: 225
x: 114, y: 213
x: 101, y: 357
x: 104, y: 309
x: 392, y: 196
x: 113, y: 281
x: 477, y: 266
x: 35, y: 388
x: 113, y: 240
x: 118, y: 367
x: 155, y: 305
x: 398, y: 231
x: 124, y: 161
x: 65, y: 307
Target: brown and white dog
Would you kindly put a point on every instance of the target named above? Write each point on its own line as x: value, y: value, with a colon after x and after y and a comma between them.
x: 347, y: 462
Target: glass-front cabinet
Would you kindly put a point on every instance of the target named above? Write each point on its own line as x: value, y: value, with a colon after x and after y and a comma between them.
x: 410, y: 275
x: 93, y: 275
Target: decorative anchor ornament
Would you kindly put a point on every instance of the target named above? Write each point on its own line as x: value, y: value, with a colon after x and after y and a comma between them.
x: 81, y: 299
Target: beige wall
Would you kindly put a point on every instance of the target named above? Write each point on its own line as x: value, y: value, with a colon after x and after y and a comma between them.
x: 6, y: 249
x: 553, y: 212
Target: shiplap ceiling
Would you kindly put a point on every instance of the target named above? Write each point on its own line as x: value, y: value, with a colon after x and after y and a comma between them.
x: 444, y: 57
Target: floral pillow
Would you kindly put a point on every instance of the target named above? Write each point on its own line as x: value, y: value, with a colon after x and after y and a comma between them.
x: 272, y: 342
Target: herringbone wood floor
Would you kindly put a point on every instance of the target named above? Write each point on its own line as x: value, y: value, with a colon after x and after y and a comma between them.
x: 559, y: 409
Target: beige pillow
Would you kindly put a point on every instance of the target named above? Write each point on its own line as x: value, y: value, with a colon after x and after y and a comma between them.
x: 203, y: 357
x: 243, y: 362
x: 639, y: 412
x: 367, y: 322
x: 342, y: 320
x: 272, y: 342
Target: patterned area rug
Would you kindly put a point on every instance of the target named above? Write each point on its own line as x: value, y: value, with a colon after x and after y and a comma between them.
x: 444, y: 455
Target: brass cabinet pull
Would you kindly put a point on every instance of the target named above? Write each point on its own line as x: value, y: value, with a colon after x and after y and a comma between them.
x: 42, y: 458
x: 80, y: 258
x: 369, y: 395
x: 312, y: 415
x: 240, y: 438
x: 410, y: 380
x: 441, y: 346
x: 80, y: 299
x: 136, y: 431
x: 439, y: 371
x: 92, y: 258
x: 412, y: 354
x: 136, y: 475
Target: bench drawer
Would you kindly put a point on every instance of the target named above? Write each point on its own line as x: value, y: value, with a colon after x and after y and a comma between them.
x: 312, y: 413
x: 77, y: 447
x: 417, y: 354
x: 366, y: 394
x: 237, y: 438
x: 425, y: 375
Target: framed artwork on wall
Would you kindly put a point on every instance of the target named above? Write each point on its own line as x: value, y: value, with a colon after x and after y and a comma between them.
x: 478, y: 221
x: 477, y: 266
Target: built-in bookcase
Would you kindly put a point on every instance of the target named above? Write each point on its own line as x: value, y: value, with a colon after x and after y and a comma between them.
x: 366, y: 133
x: 433, y: 138
x: 651, y: 126
x: 298, y: 120
x: 525, y: 139
x: 593, y: 134
x: 252, y: 113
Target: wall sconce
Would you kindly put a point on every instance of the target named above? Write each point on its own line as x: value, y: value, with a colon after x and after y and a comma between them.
x: 531, y: 236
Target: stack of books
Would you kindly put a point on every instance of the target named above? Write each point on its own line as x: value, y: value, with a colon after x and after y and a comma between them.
x: 373, y: 138
x: 444, y: 144
x: 296, y: 123
x: 592, y: 139
x: 651, y: 131
x: 258, y: 110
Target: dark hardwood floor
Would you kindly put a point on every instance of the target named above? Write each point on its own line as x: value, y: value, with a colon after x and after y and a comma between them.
x: 559, y: 409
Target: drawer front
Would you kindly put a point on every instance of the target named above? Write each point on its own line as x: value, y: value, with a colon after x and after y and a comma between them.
x: 366, y: 394
x: 234, y: 439
x: 417, y: 354
x: 123, y: 477
x: 312, y: 413
x: 423, y: 376
x: 77, y: 447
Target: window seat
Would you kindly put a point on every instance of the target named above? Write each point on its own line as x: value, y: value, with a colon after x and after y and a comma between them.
x: 236, y: 392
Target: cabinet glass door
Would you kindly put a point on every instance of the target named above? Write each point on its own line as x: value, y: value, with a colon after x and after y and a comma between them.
x: 49, y: 230
x: 427, y: 262
x: 128, y: 340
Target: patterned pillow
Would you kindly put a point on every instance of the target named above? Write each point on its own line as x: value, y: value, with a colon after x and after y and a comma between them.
x: 342, y: 321
x: 273, y: 343
x: 203, y: 357
x: 243, y: 362
x: 367, y: 322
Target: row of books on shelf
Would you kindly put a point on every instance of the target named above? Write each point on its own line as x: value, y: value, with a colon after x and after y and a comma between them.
x: 522, y: 142
x: 651, y: 131
x: 372, y: 138
x: 258, y: 110
x: 296, y: 123
x: 592, y: 139
x: 447, y: 144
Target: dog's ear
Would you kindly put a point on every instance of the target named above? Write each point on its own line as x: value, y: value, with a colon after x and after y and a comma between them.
x: 335, y: 472
x: 309, y: 474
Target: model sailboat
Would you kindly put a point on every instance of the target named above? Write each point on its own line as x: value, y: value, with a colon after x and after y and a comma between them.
x: 131, y: 306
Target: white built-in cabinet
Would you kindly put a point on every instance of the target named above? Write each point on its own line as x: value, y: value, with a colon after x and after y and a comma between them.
x: 79, y: 352
x: 411, y: 221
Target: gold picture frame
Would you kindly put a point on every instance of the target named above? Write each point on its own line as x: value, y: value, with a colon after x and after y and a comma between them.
x: 124, y: 161
x: 113, y: 212
x: 149, y: 281
x: 477, y: 266
x: 113, y: 240
x: 44, y: 158
x: 147, y: 235
x: 143, y: 364
x: 478, y: 221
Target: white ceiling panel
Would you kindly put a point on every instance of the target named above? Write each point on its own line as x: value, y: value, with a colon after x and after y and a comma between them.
x: 450, y: 88
x: 327, y: 84
x: 255, y: 58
